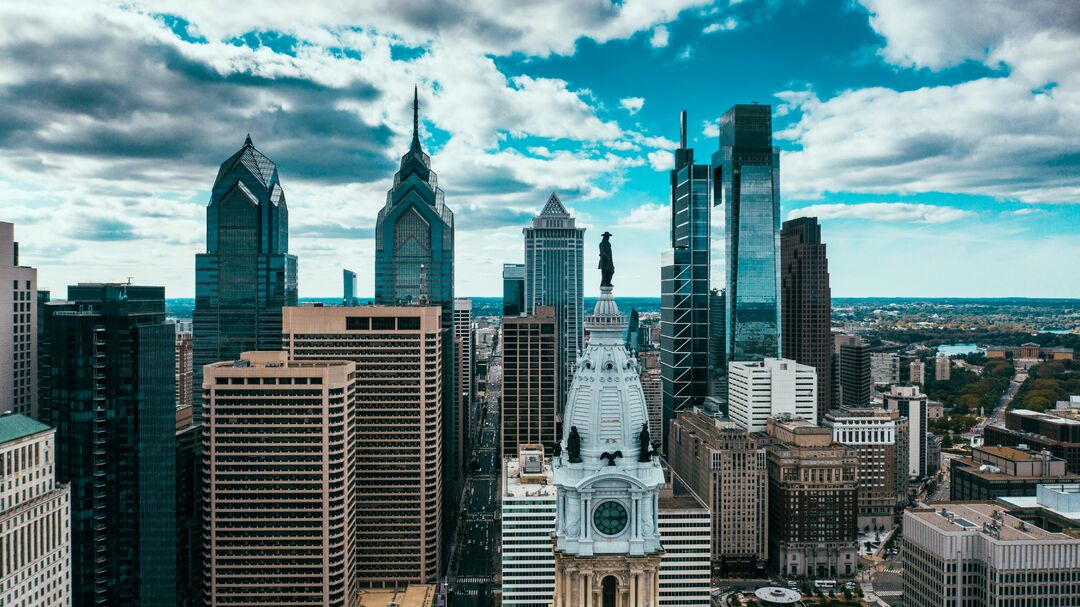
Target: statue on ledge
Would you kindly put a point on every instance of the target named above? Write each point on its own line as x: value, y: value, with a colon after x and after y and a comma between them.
x: 607, y: 266
x: 573, y: 446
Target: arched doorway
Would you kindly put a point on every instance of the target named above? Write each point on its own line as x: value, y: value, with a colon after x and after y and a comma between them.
x: 609, y: 591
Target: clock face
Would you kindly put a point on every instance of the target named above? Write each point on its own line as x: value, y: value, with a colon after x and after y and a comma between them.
x: 610, y: 518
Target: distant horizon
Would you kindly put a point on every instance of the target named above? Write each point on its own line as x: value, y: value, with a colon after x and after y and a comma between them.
x: 657, y: 297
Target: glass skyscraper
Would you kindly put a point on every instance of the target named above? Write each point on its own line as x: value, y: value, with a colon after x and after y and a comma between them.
x: 684, y: 287
x: 746, y: 181
x: 513, y: 289
x: 554, y: 247
x: 246, y: 275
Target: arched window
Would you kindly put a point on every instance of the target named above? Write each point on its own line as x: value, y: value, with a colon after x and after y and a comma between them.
x: 609, y: 591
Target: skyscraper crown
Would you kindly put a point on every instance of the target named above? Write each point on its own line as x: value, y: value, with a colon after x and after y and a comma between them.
x: 261, y: 167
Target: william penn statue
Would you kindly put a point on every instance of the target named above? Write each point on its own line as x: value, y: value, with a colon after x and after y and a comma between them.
x: 607, y: 266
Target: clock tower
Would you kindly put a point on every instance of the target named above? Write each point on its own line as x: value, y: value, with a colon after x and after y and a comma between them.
x: 607, y: 475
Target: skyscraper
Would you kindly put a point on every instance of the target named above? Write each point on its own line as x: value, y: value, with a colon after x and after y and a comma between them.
x: 530, y: 370
x: 759, y: 390
x: 528, y: 518
x: 513, y: 289
x: 184, y: 369
x: 414, y: 265
x: 553, y: 277
x: 853, y: 372
x: 806, y: 303
x: 246, y: 274
x: 465, y: 358
x: 278, y: 495
x: 746, y: 181
x: 348, y: 288
x: 108, y: 386
x: 18, y: 329
x: 908, y: 401
x: 684, y: 287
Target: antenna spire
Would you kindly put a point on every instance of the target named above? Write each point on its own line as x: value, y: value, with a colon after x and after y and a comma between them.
x: 416, y: 117
x: 248, y: 140
x: 682, y: 129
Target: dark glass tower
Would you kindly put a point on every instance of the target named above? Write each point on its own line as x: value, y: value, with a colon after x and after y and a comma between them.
x: 853, y: 363
x: 684, y: 287
x: 746, y: 180
x: 806, y: 302
x: 513, y: 289
x: 246, y: 275
x: 109, y: 387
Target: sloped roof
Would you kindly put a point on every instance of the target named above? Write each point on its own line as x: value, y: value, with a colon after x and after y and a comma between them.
x: 14, y: 426
x: 554, y: 206
x: 253, y: 160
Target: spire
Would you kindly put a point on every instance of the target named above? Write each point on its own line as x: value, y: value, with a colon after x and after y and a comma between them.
x: 247, y: 142
x: 416, y: 118
x: 682, y: 130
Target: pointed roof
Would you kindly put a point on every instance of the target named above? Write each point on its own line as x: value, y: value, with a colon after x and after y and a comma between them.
x: 415, y: 161
x: 254, y: 161
x: 555, y: 206
x: 415, y: 147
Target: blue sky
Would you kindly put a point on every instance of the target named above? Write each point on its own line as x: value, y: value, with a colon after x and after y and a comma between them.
x: 937, y: 141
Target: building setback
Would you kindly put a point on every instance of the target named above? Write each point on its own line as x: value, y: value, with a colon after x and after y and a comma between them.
x: 398, y: 416
x: 35, y: 514
x: 18, y: 329
x: 108, y: 386
x: 530, y: 368
x: 279, y: 455
x: 758, y: 390
x: 806, y: 303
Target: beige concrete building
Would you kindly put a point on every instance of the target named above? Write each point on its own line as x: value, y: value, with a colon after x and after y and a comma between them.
x: 942, y: 368
x: 35, y: 517
x: 398, y: 415
x: 465, y: 364
x: 727, y: 466
x: 184, y: 369
x: 975, y: 555
x: 278, y: 464
x: 18, y: 329
x: 685, y: 533
x: 758, y: 390
x: 917, y: 373
x: 528, y: 520
x: 414, y: 595
x: 530, y: 368
x: 652, y: 386
x: 872, y: 432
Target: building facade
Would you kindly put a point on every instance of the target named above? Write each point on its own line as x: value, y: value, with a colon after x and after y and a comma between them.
x: 278, y: 459
x: 853, y: 372
x: 872, y: 433
x: 530, y: 367
x: 465, y: 376
x: 398, y: 417
x: 108, y: 386
x: 554, y: 249
x: 758, y: 390
x: 185, y: 369
x: 993, y: 472
x: 917, y: 373
x: 246, y: 274
x: 528, y: 520
x: 908, y: 401
x: 942, y: 368
x: 685, y: 530
x: 1056, y: 431
x: 652, y: 384
x: 806, y: 303
x: 18, y: 329
x: 513, y: 289
x: 189, y: 511
x: 884, y: 368
x: 35, y: 517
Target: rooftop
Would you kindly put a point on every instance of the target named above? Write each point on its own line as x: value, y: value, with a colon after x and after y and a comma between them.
x: 1060, y: 499
x: 416, y: 595
x: 14, y: 426
x: 985, y: 518
x: 514, y: 488
x: 1017, y: 455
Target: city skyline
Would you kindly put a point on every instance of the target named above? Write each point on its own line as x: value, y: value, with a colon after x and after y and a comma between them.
x: 917, y: 137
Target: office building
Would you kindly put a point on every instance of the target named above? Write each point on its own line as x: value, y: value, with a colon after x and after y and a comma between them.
x: 185, y: 369
x: 465, y: 375
x: 528, y: 520
x: 853, y: 372
x: 758, y: 390
x: 872, y: 433
x: 806, y: 303
x: 35, y: 517
x: 108, y: 386
x: 884, y: 368
x: 554, y: 247
x: 189, y: 521
x: 813, y: 501
x: 917, y: 373
x: 278, y: 494
x: 684, y: 287
x: 908, y: 401
x: 942, y: 368
x: 1054, y: 507
x: 246, y: 274
x: 685, y: 566
x: 976, y: 554
x: 993, y: 472
x: 348, y: 288
x: 717, y: 326
x: 652, y: 384
x: 398, y: 416
x: 18, y: 329
x: 1055, y: 430
x: 513, y: 289
x: 414, y: 265
x: 530, y: 368
x: 722, y: 462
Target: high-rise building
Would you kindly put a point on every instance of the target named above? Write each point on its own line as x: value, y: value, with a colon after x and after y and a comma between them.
x: 528, y: 519
x: 853, y: 372
x: 18, y: 329
x: 684, y: 287
x: 530, y: 367
x: 872, y: 433
x: 278, y: 494
x: 942, y: 368
x: 185, y: 369
x: 398, y: 415
x: 813, y: 486
x: 554, y: 248
x: 976, y: 554
x: 758, y: 390
x: 35, y: 516
x: 685, y: 567
x: 917, y: 373
x: 884, y: 368
x: 806, y: 303
x: 189, y: 521
x: 465, y: 359
x: 746, y: 181
x: 719, y: 459
x: 513, y: 289
x: 908, y: 401
x: 246, y: 274
x: 108, y: 386
x: 414, y: 265
x: 348, y: 288
x: 652, y: 384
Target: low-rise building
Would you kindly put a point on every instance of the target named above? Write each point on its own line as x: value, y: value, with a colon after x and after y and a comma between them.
x: 1056, y: 431
x: 993, y: 472
x: 1030, y: 351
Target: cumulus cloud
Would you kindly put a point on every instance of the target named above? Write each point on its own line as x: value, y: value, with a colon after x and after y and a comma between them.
x: 648, y: 216
x: 884, y: 211
x: 632, y: 105
x: 659, y: 37
x: 722, y: 26
x: 661, y: 160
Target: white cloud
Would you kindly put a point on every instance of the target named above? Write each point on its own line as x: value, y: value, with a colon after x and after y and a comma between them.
x: 659, y: 37
x: 632, y: 105
x: 884, y: 211
x: 661, y: 160
x: 648, y: 216
x: 723, y: 26
x: 685, y: 55
x: 711, y: 129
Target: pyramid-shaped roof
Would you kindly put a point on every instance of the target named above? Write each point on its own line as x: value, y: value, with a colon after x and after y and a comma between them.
x: 555, y: 206
x: 254, y: 161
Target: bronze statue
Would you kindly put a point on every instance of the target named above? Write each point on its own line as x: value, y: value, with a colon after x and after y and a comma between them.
x: 607, y: 266
x: 573, y: 446
x: 645, y: 453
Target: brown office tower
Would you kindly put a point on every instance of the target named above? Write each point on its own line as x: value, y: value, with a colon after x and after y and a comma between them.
x: 530, y: 370
x: 813, y: 484
x: 872, y: 433
x: 725, y: 464
x: 278, y: 457
x: 184, y: 370
x: 398, y: 412
x: 806, y: 303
